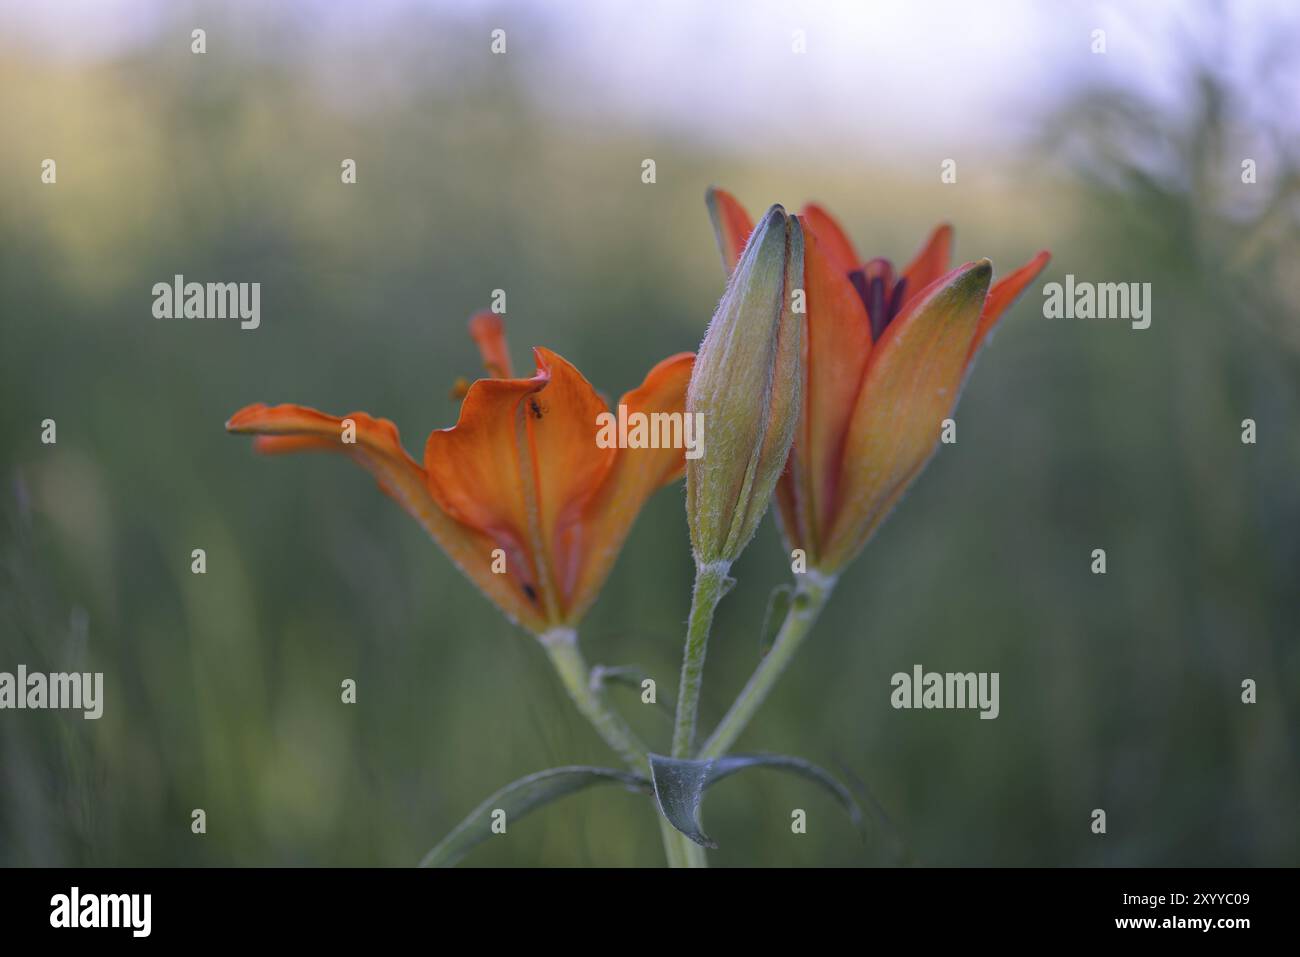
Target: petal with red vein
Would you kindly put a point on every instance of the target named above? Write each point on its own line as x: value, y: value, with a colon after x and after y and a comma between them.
x: 568, y: 465
x: 476, y: 469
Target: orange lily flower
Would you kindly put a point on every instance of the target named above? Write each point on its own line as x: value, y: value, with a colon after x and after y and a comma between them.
x: 884, y: 359
x: 521, y: 472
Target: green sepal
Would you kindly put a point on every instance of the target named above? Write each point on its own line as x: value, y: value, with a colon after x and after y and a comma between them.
x: 679, y: 786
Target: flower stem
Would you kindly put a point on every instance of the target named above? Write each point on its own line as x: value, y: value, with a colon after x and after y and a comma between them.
x: 810, y: 596
x: 561, y: 646
x: 680, y: 850
x: 710, y: 584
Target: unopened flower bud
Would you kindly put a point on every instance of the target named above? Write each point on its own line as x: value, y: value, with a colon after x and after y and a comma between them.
x: 746, y: 383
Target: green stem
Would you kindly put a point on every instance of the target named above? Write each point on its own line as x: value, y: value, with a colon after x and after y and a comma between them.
x: 561, y: 646
x: 680, y: 850
x: 710, y: 584
x: 809, y: 599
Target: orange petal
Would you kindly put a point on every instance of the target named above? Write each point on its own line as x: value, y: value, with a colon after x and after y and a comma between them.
x: 569, y: 465
x: 378, y: 449
x: 475, y: 472
x: 1004, y: 294
x: 489, y: 334
x: 911, y: 385
x: 636, y: 473
x: 929, y: 264
x: 837, y: 345
x: 520, y: 465
x: 836, y: 244
x: 731, y: 225
x: 283, y: 444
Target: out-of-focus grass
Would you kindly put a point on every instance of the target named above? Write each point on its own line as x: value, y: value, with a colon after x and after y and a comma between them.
x: 1119, y: 691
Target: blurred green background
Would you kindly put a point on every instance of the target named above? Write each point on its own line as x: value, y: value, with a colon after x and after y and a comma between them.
x: 1119, y: 691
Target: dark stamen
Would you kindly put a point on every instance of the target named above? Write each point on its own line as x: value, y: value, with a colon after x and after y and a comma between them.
x: 859, y: 280
x: 896, y: 300
x: 876, y: 307
x: 883, y: 300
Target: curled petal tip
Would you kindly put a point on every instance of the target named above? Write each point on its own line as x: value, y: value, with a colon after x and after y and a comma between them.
x: 239, y: 421
x: 488, y: 332
x: 545, y: 360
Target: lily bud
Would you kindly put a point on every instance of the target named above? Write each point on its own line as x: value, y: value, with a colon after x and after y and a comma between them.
x: 747, y: 385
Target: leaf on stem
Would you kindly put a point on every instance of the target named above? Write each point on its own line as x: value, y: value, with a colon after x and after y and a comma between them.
x: 679, y: 786
x: 629, y: 676
x: 520, y: 797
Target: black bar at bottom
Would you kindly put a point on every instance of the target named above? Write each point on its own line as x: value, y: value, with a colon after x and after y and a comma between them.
x: 334, y: 907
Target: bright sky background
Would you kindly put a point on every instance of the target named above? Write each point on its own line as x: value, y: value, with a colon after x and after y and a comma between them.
x: 878, y: 76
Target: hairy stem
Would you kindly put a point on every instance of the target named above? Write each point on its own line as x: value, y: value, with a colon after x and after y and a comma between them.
x: 710, y: 584
x: 810, y: 596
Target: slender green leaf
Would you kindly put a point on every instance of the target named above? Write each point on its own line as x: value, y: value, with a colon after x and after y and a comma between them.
x: 519, y: 798
x: 679, y: 786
